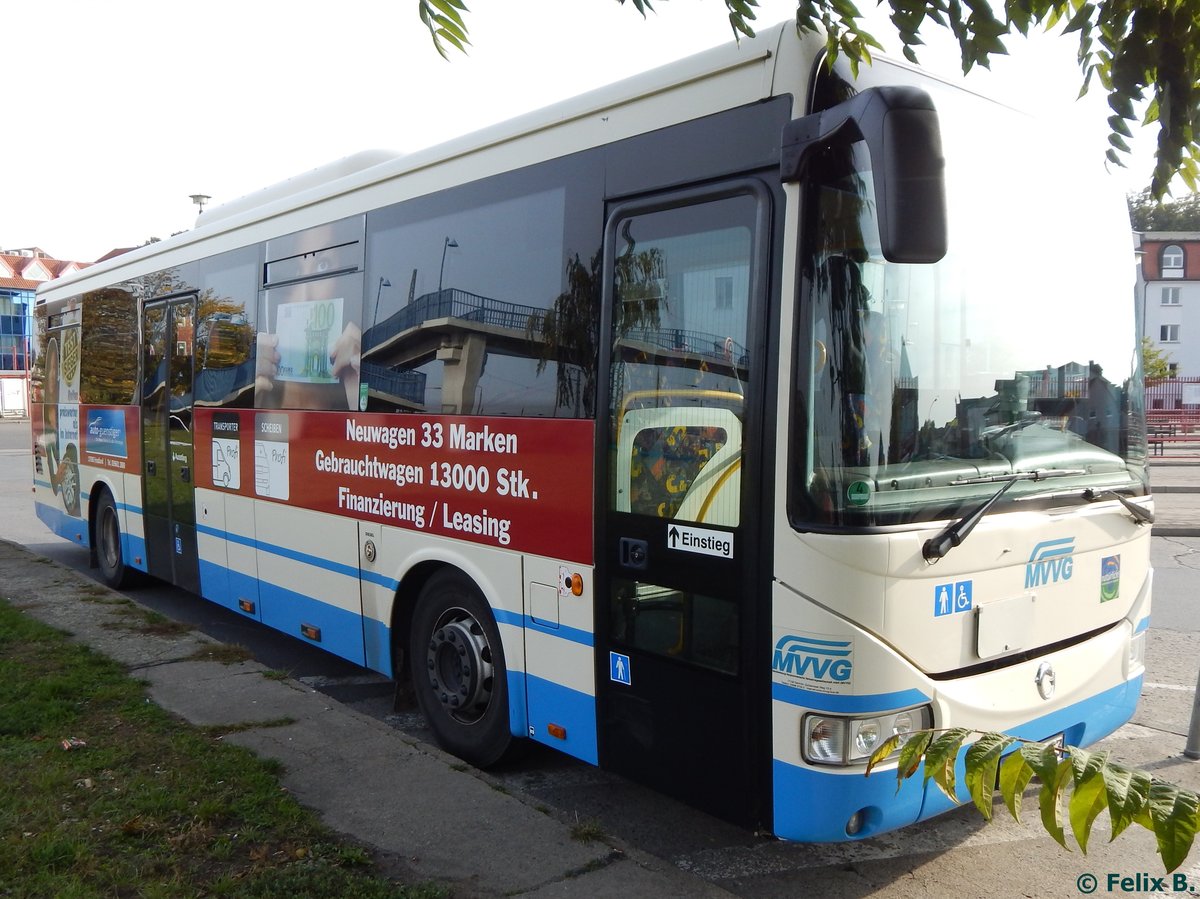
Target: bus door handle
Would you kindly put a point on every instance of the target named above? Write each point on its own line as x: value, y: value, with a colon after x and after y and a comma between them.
x: 635, y: 554
x: 151, y: 467
x: 185, y: 474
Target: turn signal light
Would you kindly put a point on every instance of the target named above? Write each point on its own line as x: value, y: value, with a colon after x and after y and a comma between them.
x: 557, y: 730
x: 577, y: 585
x: 312, y: 632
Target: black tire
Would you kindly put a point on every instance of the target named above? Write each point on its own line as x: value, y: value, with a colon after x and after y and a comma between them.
x: 458, y: 672
x: 107, y: 534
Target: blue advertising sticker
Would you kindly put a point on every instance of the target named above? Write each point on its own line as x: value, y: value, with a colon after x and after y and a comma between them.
x: 105, y: 433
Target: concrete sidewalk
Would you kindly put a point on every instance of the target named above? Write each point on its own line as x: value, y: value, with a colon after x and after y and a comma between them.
x: 427, y: 815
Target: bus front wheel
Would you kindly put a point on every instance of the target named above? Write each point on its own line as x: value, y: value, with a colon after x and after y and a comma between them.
x: 458, y: 672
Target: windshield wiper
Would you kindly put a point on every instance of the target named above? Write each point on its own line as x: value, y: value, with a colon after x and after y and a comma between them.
x: 1142, y: 516
x: 952, y: 535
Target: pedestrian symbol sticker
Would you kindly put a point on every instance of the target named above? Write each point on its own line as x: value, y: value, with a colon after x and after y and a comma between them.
x: 618, y: 666
x: 951, y: 598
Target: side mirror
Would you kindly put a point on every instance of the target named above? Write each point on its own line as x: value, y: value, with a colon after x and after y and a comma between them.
x: 900, y: 128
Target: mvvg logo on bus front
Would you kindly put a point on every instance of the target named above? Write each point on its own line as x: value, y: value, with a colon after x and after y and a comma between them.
x: 1050, y: 562
x: 810, y: 659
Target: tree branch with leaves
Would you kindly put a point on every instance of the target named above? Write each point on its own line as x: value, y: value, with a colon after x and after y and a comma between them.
x: 1085, y: 783
x: 1145, y: 56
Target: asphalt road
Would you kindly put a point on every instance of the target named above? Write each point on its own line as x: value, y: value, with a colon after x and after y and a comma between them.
x: 956, y: 854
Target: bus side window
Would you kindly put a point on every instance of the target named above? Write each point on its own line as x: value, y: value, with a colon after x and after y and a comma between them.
x: 225, y: 330
x: 110, y: 320
x: 308, y: 346
x: 683, y: 285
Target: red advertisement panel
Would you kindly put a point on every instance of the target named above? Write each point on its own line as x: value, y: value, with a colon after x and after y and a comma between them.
x: 515, y: 483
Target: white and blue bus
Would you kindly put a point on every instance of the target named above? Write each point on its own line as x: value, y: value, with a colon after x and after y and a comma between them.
x: 711, y: 427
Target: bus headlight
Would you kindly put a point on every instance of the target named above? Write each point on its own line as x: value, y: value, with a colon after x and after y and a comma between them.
x: 838, y: 740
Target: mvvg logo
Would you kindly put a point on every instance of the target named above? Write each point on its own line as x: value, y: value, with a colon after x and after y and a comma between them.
x: 809, y: 658
x: 1050, y: 562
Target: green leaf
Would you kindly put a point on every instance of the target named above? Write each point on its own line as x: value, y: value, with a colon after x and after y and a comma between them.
x: 1085, y: 764
x: 1050, y: 801
x: 445, y: 23
x: 940, y: 759
x: 982, y: 762
x: 1173, y: 812
x: 1042, y: 758
x: 1087, y: 801
x: 1080, y: 19
x: 740, y: 26
x: 1128, y: 792
x: 1015, y: 774
x: 885, y: 749
x: 911, y: 754
x: 450, y: 9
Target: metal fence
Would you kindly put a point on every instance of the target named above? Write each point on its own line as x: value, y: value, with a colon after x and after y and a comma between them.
x: 1180, y: 395
x: 454, y: 303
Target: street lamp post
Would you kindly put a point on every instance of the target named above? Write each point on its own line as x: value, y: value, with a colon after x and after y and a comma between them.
x: 383, y: 282
x: 450, y: 242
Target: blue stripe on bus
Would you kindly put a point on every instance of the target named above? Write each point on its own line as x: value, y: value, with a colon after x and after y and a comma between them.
x: 575, y: 712
x: 282, y: 551
x: 133, y: 551
x: 62, y: 524
x: 297, y: 556
x: 1142, y: 625
x: 814, y: 804
x: 377, y: 646
x: 130, y: 508
x: 572, y: 634
x: 86, y: 497
x: 341, y: 631
x: 836, y: 702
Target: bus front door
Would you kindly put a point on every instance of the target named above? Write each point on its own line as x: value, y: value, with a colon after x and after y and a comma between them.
x: 169, y: 500
x: 682, y: 703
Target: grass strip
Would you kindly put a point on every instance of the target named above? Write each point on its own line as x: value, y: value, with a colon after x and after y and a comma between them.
x: 105, y: 794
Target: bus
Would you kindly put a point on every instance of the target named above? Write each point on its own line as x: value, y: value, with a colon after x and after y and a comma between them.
x: 710, y: 427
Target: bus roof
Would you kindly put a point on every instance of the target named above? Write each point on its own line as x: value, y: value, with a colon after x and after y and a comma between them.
x: 723, y: 77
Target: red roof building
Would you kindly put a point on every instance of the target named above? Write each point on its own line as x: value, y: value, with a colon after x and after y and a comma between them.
x: 21, y: 271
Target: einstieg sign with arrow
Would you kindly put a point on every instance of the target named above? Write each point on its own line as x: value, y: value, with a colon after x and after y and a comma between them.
x: 700, y: 540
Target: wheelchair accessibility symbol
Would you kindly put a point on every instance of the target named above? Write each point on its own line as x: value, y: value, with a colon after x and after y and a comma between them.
x: 951, y: 598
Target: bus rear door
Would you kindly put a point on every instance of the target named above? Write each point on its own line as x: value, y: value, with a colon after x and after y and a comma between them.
x: 169, y: 500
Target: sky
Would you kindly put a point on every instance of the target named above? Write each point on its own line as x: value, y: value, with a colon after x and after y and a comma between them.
x: 126, y: 108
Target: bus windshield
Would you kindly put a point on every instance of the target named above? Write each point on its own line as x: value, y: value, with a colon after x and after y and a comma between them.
x: 922, y: 386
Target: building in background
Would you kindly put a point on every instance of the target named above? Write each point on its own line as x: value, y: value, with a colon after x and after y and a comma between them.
x: 21, y: 271
x: 1168, y: 308
x: 1168, y: 296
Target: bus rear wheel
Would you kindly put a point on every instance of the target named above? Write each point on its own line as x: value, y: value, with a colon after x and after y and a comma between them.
x: 109, y: 555
x: 458, y: 672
